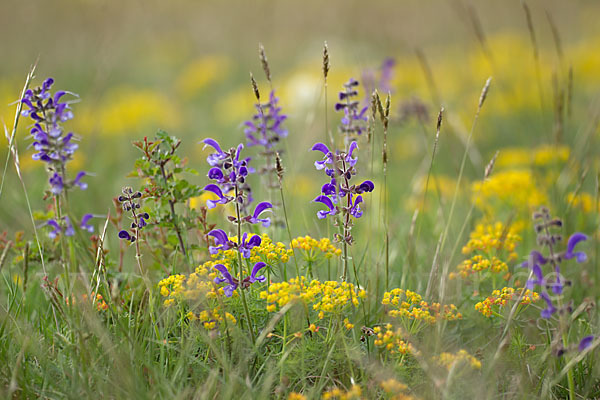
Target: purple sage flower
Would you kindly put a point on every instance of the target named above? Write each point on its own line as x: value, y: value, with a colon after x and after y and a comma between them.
x: 354, y: 119
x: 266, y: 126
x: 585, y: 342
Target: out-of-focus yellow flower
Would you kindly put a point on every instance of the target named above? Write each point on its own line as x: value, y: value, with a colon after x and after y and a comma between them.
x: 550, y: 155
x: 131, y: 111
x: 200, y: 73
x: 449, y: 360
x: 340, y: 394
x: 512, y: 189
x: 584, y: 201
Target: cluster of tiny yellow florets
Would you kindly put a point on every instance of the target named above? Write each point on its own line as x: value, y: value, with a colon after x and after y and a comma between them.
x: 448, y: 360
x: 479, y: 263
x: 584, y: 201
x: 310, y: 246
x: 391, y: 340
x: 195, y: 286
x: 270, y: 252
x: 210, y: 318
x: 488, y: 241
x: 336, y: 393
x: 501, y: 297
x: 492, y: 237
x: 409, y: 304
x: 171, y: 287
x: 326, y: 297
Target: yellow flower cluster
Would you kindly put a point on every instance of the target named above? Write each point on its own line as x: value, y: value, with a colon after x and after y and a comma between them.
x: 336, y: 296
x: 210, y: 318
x: 281, y: 293
x: 501, y: 297
x: 171, y: 287
x: 267, y: 252
x: 336, y: 393
x: 448, y: 360
x: 584, y: 201
x: 197, y: 285
x: 512, y: 189
x: 493, y: 237
x: 391, y: 340
x: 479, y: 263
x: 310, y: 245
x: 408, y: 304
x: 270, y: 252
x: 326, y: 297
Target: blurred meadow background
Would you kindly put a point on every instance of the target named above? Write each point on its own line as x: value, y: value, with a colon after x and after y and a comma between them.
x: 183, y: 66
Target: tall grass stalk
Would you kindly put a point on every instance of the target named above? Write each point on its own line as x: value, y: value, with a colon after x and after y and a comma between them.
x: 482, y: 98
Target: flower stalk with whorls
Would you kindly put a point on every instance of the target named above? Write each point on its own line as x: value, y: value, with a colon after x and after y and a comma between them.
x: 552, y: 284
x: 339, y: 196
x: 355, y: 117
x: 55, y: 148
x: 230, y: 172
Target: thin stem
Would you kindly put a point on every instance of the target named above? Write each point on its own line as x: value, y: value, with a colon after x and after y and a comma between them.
x: 173, y: 215
x: 289, y: 232
x: 239, y: 256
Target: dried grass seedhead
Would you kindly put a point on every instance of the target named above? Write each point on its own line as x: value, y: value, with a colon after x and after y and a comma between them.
x: 484, y: 91
x: 490, y: 167
x: 278, y: 166
x: 325, y: 61
x: 263, y: 60
x: 254, y: 87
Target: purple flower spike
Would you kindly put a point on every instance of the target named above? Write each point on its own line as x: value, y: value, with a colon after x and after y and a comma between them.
x: 575, y: 238
x: 84, y: 223
x: 586, y: 342
x: 327, y: 202
x: 226, y: 278
x: 260, y: 208
x: 257, y: 267
x: 216, y: 190
x: 221, y: 240
x: 550, y: 309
